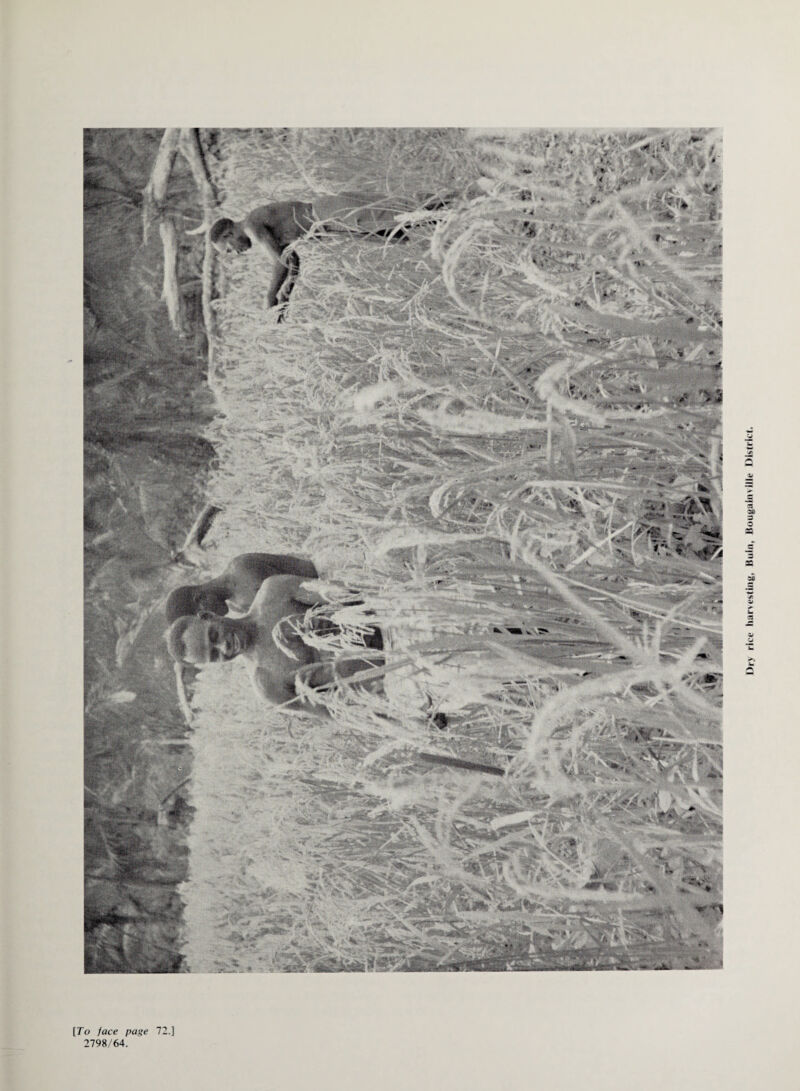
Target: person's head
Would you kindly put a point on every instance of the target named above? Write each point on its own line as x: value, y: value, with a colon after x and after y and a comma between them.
x: 200, y: 600
x: 229, y: 237
x: 197, y: 640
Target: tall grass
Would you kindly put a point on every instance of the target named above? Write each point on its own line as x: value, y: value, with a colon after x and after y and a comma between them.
x: 506, y: 432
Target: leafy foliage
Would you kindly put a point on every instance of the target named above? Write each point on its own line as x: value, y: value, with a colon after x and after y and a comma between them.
x: 506, y: 432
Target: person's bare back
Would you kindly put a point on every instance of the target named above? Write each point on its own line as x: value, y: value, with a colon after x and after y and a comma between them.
x: 278, y: 225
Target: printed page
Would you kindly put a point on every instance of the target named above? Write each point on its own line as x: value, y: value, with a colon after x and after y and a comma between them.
x: 418, y: 337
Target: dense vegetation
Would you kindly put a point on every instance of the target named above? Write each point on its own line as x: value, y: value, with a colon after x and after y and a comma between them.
x: 507, y: 432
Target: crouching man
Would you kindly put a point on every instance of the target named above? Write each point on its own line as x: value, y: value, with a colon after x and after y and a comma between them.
x: 274, y: 229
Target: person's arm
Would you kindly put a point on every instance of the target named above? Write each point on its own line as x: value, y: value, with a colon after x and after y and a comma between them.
x: 283, y: 695
x: 287, y: 268
x: 281, y: 692
x: 289, y: 564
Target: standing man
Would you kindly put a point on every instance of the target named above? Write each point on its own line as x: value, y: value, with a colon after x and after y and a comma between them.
x: 269, y: 638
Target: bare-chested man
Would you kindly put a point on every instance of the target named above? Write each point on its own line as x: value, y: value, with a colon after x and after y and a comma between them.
x: 275, y: 228
x: 237, y: 586
x: 269, y: 638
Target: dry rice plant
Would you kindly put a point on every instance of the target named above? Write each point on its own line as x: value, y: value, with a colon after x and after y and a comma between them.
x: 506, y: 433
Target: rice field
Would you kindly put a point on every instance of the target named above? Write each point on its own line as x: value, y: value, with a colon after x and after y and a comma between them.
x: 506, y: 433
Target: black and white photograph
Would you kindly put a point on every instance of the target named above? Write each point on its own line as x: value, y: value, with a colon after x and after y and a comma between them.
x: 398, y: 546
x: 402, y: 468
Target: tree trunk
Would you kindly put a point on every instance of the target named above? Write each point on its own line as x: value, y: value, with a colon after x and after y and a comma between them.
x: 155, y: 192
